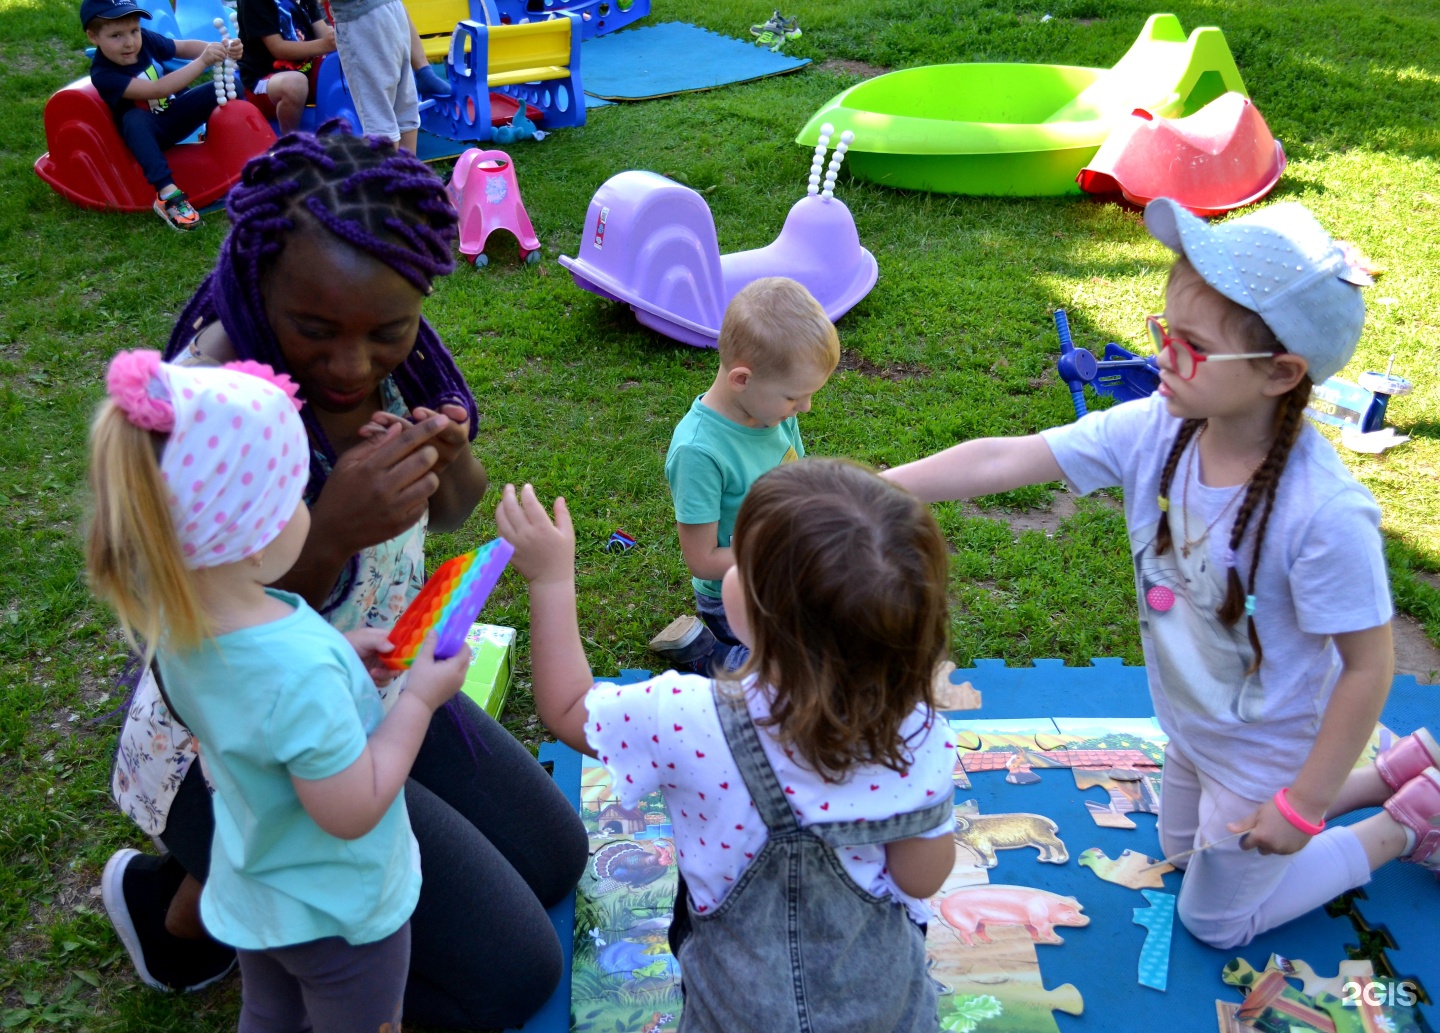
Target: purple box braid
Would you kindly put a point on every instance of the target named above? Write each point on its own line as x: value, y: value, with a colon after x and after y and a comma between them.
x: 371, y: 195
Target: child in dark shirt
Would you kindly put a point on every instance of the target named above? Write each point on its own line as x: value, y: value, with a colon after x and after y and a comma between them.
x: 128, y: 73
x: 285, y: 40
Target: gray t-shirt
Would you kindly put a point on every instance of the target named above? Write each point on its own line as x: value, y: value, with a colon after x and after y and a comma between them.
x: 1322, y: 573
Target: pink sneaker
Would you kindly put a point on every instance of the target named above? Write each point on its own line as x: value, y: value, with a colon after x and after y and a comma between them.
x: 1407, y: 757
x: 1416, y: 805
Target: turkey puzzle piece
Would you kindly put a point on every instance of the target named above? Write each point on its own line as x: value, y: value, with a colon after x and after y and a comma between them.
x: 1138, y: 792
x: 1131, y: 870
x: 984, y: 834
x: 1159, y: 919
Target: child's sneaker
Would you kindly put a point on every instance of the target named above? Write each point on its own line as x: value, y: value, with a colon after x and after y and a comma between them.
x: 1416, y: 805
x: 137, y: 889
x: 1407, y: 757
x: 774, y: 32
x: 176, y: 210
x: 684, y: 642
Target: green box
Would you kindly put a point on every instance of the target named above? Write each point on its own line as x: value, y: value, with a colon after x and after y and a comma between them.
x: 492, y: 665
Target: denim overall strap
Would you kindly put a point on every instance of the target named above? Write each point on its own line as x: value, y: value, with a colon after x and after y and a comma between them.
x: 755, y: 769
x: 887, y: 830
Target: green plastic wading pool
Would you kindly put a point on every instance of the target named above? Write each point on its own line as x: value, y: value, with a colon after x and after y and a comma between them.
x: 1019, y: 130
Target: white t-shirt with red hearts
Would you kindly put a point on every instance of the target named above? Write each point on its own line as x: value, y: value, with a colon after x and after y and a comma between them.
x: 665, y: 734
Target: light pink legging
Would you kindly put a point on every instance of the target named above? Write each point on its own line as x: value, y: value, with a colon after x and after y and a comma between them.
x: 1229, y: 895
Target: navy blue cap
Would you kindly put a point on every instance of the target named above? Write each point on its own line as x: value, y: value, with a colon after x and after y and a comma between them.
x: 108, y: 9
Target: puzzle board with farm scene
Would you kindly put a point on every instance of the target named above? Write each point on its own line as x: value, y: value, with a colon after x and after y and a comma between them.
x: 624, y: 977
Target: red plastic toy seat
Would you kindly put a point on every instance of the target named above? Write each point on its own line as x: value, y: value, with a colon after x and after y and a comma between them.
x: 89, y: 164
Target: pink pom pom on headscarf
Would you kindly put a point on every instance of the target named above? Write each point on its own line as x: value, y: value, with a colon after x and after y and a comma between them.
x: 135, y: 385
x: 264, y: 372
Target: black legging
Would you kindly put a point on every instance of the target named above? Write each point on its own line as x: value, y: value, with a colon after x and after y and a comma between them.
x: 499, y: 843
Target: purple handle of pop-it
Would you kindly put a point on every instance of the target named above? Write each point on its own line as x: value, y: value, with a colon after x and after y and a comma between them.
x: 452, y: 632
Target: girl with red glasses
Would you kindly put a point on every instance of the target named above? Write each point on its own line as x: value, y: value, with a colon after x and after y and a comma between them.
x: 1264, y: 607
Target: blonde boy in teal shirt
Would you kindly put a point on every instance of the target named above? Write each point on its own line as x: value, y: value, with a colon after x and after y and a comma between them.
x: 777, y: 349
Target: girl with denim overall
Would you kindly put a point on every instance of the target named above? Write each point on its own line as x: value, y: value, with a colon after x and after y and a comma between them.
x: 810, y: 791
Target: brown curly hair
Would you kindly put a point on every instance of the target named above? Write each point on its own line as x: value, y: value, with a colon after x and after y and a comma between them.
x: 845, y: 576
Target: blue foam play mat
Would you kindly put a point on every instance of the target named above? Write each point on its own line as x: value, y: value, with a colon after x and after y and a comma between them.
x: 1101, y: 959
x: 663, y: 60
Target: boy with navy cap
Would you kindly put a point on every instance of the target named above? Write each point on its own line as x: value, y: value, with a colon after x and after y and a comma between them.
x: 128, y: 72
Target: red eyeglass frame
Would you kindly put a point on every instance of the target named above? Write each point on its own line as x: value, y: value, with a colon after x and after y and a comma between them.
x: 1155, y: 324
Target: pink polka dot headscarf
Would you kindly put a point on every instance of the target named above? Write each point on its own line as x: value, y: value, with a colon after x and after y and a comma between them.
x: 236, y: 462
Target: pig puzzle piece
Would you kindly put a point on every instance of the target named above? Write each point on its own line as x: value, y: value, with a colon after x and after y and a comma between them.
x: 448, y: 604
x: 1131, y: 870
x: 970, y: 910
x: 984, y: 834
x: 1130, y: 791
x: 1159, y: 919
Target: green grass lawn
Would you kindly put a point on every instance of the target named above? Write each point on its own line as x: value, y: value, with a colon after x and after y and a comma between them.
x: 955, y: 341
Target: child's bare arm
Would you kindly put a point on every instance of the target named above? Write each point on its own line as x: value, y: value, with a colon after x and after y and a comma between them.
x: 1368, y: 665
x: 174, y: 82
x: 298, y: 50
x: 545, y: 557
x: 349, y: 804
x: 706, y: 559
x: 919, y: 866
x: 982, y: 466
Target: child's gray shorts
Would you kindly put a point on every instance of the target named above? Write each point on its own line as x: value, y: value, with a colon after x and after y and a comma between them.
x: 374, y: 50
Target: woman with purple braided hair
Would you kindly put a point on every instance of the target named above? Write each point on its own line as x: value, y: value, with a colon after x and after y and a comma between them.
x: 335, y: 243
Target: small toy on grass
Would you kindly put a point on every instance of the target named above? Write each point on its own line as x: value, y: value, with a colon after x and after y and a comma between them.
x: 448, y: 604
x: 619, y: 542
x: 485, y: 193
x: 225, y: 70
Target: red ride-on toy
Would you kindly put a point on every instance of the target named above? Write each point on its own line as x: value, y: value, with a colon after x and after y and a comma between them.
x: 89, y: 164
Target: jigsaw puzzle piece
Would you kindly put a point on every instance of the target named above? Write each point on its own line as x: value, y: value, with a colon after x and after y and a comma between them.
x: 1271, y: 1004
x: 1138, y: 792
x: 1370, y: 1005
x: 984, y: 834
x: 1397, y: 909
x: 951, y: 693
x: 1159, y: 920
x: 1131, y: 870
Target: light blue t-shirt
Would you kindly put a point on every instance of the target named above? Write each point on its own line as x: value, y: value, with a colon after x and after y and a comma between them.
x: 1322, y: 573
x: 713, y: 461
x: 286, y: 698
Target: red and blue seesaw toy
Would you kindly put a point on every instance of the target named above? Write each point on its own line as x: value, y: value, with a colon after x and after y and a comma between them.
x: 448, y: 604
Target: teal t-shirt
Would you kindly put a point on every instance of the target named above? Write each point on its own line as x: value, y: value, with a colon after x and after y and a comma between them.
x: 289, y: 698
x: 713, y: 461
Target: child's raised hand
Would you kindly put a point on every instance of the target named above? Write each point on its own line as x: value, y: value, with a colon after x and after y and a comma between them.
x: 433, y: 681
x: 544, y: 550
x: 454, y: 438
x: 369, y: 644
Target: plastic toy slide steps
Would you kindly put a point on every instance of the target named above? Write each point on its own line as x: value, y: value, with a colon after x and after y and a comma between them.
x: 1020, y: 130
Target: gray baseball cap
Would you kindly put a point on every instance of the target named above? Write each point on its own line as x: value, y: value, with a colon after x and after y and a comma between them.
x: 1280, y: 263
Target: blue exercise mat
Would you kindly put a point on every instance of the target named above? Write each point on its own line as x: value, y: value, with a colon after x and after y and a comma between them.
x: 663, y: 60
x: 1102, y: 959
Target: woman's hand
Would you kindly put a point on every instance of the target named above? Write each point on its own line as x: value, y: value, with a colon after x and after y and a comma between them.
x: 1268, y: 831
x: 369, y: 645
x: 544, y: 550
x: 379, y: 487
x: 453, y: 439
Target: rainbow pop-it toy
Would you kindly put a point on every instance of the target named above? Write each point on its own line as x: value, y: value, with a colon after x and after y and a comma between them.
x: 448, y: 604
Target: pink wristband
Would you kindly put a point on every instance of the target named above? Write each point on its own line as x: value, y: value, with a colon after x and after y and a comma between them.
x: 1290, y: 814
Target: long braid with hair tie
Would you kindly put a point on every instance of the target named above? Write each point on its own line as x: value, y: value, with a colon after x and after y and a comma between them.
x: 1188, y: 430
